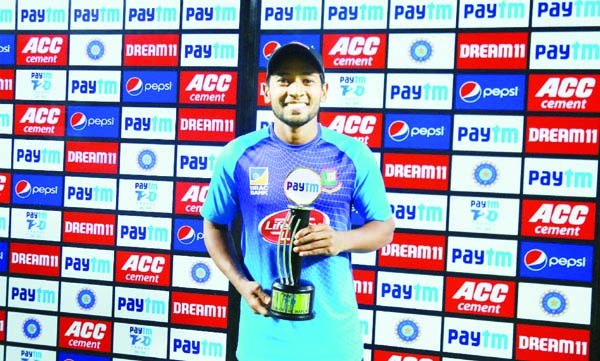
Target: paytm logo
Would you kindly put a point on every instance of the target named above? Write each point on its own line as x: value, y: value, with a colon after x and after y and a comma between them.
x: 419, y: 211
x: 7, y: 16
x: 196, y: 161
x: 93, y: 122
x: 97, y: 86
x: 413, y: 14
x: 484, y: 215
x: 148, y: 123
x: 490, y: 92
x: 53, y: 17
x: 209, y: 50
x: 37, y: 189
x: 491, y: 133
x: 568, y: 50
x: 86, y: 15
x: 199, y: 15
x: 556, y: 261
x: 372, y: 15
x: 39, y: 85
x: 85, y: 264
x: 296, y: 14
x: 144, y: 232
x: 188, y: 344
x: 494, y: 13
x: 146, y: 196
x: 150, y: 86
x: 417, y: 131
x: 482, y: 256
x: 419, y: 91
x: 33, y: 294
x: 560, y: 177
x: 45, y: 155
x: 421, y: 292
x: 140, y: 16
x: 94, y: 193
x: 35, y: 225
x: 475, y: 337
x: 152, y: 305
x: 565, y: 13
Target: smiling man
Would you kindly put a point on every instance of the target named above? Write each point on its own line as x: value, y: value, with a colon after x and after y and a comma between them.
x: 249, y: 179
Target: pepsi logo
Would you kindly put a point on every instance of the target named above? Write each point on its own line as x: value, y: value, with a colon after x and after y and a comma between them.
x: 470, y: 92
x: 186, y: 234
x: 536, y: 260
x: 23, y: 189
x: 78, y: 121
x: 134, y: 86
x: 270, y: 48
x: 399, y: 130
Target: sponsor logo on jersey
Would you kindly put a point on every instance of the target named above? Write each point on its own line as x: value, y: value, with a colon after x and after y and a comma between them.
x: 489, y: 133
x: 143, y: 268
x: 37, y: 189
x: 474, y: 337
x: 146, y: 196
x: 7, y: 45
x: 422, y: 211
x: 190, y: 197
x: 37, y: 225
x: 417, y: 131
x: 271, y: 225
x: 153, y: 50
x: 414, y: 251
x: 150, y: 86
x: 94, y: 85
x: 480, y: 297
x: 552, y: 343
x: 141, y: 15
x: 83, y: 263
x: 93, y: 193
x: 494, y: 14
x: 144, y: 232
x: 38, y: 260
x: 148, y: 123
x: 422, y: 292
x: 93, y: 122
x: 364, y: 286
x: 33, y: 17
x: 211, y: 125
x: 419, y: 91
x: 7, y: 81
x: 39, y: 120
x: 357, y: 51
x: 562, y: 135
x: 188, y: 235
x: 208, y: 87
x: 89, y: 228
x: 416, y: 171
x: 556, y: 219
x: 5, y: 187
x: 568, y: 50
x: 372, y: 15
x: 199, y: 309
x: 482, y: 256
x: 484, y: 215
x: 151, y: 305
x: 564, y: 93
x: 87, y: 15
x: 43, y: 50
x: 295, y: 14
x: 82, y: 334
x: 92, y: 157
x: 560, y: 177
x: 490, y: 92
x: 365, y: 127
x: 556, y: 261
x: 564, y: 13
x: 492, y: 51
x: 205, y: 50
x: 199, y: 15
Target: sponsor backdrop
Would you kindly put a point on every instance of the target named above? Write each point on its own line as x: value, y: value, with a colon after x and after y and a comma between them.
x: 484, y: 117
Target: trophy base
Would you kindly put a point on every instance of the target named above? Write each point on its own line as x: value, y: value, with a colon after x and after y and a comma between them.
x: 294, y: 303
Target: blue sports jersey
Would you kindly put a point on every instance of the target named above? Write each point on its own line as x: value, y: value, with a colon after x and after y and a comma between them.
x: 249, y: 178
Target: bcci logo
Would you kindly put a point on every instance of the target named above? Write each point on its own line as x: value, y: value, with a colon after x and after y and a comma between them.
x: 407, y: 330
x: 485, y: 174
x: 32, y: 328
x: 86, y: 299
x: 200, y: 273
x: 95, y: 49
x: 259, y: 180
x: 146, y: 159
x: 421, y: 51
x: 554, y: 303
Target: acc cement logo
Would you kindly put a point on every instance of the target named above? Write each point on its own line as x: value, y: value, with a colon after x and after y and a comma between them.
x: 302, y: 186
x: 554, y: 303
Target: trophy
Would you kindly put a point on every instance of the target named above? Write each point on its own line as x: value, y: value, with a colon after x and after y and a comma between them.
x: 291, y: 297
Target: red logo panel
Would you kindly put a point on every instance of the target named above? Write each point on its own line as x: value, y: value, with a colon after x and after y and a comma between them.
x: 5, y: 187
x: 190, y: 197
x: 199, y: 310
x: 208, y: 87
x: 76, y: 333
x: 153, y: 50
x: 552, y: 343
x: 414, y: 251
x: 354, y: 51
x: 365, y: 127
x: 262, y: 79
x: 208, y: 125
x: 89, y: 228
x: 2, y: 325
x: 562, y: 135
x: 40, y: 120
x: 564, y: 93
x: 90, y: 157
x: 47, y: 50
x: 364, y: 286
x: 480, y: 297
x: 416, y: 171
x: 492, y: 51
x: 143, y: 268
x: 7, y: 87
x: 34, y: 260
x: 558, y: 219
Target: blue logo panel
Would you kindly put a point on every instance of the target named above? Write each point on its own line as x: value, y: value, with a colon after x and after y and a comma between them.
x: 150, y: 86
x: 568, y: 262
x: 490, y: 92
x: 3, y: 256
x: 75, y: 357
x: 93, y: 122
x: 7, y: 49
x: 37, y: 190
x: 417, y: 131
x: 268, y: 44
x: 188, y: 235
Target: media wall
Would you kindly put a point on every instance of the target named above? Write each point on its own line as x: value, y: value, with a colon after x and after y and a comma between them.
x: 484, y: 116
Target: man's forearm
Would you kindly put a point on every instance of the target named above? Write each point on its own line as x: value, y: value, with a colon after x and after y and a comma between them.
x: 221, y: 248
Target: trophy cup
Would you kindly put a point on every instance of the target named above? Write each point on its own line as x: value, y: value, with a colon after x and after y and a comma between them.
x: 291, y: 298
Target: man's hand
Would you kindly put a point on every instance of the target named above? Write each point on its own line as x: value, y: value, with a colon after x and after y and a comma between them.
x: 256, y: 297
x: 317, y: 239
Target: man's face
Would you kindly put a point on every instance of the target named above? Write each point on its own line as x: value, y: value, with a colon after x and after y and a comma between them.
x: 295, y: 92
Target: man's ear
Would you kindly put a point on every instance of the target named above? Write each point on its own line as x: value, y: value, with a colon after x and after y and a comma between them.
x: 264, y: 91
x: 324, y: 91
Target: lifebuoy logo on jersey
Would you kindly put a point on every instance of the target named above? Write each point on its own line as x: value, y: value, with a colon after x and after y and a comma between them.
x: 7, y: 45
x: 416, y: 171
x: 490, y: 92
x: 188, y: 235
x: 556, y: 219
x: 39, y: 120
x: 93, y: 122
x: 151, y: 50
x: 38, y: 260
x: 365, y: 127
x: 271, y: 225
x: 552, y: 343
x: 190, y: 197
x: 364, y: 286
x: 143, y: 268
x: 197, y: 309
x: 7, y: 80
x: 564, y: 93
x: 92, y: 157
x: 83, y: 334
x: 414, y: 251
x: 89, y: 228
x: 29, y: 189
x: 480, y: 297
x: 492, y: 51
x: 354, y: 51
x: 562, y: 135
x: 417, y: 131
x: 556, y: 261
x: 150, y: 86
x: 210, y: 125
x: 208, y: 87
x: 43, y: 50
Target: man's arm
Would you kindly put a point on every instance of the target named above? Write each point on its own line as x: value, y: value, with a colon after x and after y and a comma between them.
x: 321, y: 239
x: 221, y: 248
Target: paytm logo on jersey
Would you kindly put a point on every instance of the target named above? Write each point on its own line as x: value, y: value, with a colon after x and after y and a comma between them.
x: 417, y: 131
x: 557, y: 261
x: 569, y: 50
x: 7, y: 48
x: 490, y: 92
x: 188, y: 235
x: 93, y: 122
x: 94, y: 85
x: 150, y: 86
x: 37, y: 189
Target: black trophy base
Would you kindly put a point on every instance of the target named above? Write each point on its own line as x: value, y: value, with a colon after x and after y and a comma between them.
x: 294, y: 303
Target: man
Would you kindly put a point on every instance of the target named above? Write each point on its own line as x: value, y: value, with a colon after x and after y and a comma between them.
x: 249, y: 178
